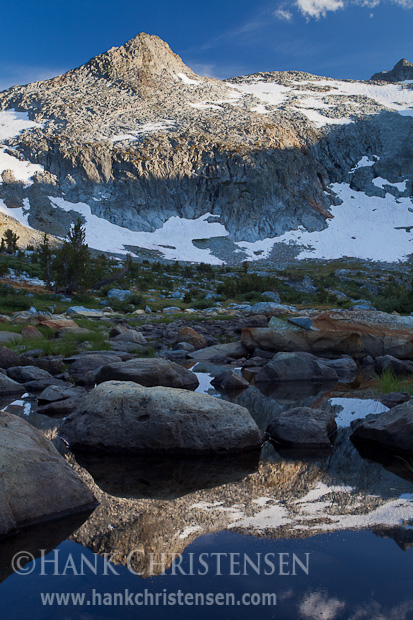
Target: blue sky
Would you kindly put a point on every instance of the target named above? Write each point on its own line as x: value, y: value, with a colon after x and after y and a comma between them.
x: 337, y: 38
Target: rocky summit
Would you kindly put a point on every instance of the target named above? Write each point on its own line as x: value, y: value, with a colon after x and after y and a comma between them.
x: 152, y: 156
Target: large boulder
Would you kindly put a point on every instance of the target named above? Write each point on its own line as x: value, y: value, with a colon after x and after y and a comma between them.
x: 8, y: 386
x: 317, y: 342
x: 36, y: 483
x: 122, y: 416
x: 149, y: 372
x: 192, y: 337
x: 296, y: 367
x: 392, y: 429
x: 219, y: 352
x: 303, y: 427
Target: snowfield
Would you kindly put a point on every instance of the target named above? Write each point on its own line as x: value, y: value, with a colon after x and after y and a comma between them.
x: 173, y: 240
x: 11, y: 124
x: 366, y: 227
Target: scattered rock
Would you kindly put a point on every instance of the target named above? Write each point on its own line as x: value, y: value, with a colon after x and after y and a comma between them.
x: 296, y: 367
x: 86, y: 313
x: 122, y: 416
x: 55, y: 393
x: 10, y: 338
x: 302, y: 321
x: 37, y: 483
x: 230, y: 380
x: 8, y: 386
x: 119, y: 294
x: 192, y: 337
x: 220, y: 352
x: 23, y: 374
x: 131, y: 335
x: 272, y: 296
x: 184, y: 346
x: 303, y: 427
x: 394, y: 365
x: 270, y: 308
x: 395, y: 398
x: 149, y: 372
x: 172, y: 310
x: 30, y: 332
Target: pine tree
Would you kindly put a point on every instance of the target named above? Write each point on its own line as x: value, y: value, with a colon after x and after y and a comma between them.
x: 45, y: 259
x: 10, y: 241
x: 71, y: 267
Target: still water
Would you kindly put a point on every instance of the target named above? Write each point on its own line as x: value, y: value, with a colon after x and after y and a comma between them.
x: 276, y: 534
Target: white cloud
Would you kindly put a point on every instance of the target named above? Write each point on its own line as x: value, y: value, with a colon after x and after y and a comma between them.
x: 283, y: 14
x: 317, y: 606
x: 318, y: 8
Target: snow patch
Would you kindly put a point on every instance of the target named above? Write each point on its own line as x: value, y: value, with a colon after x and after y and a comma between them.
x: 177, y: 233
x: 12, y: 123
x: 186, y: 80
x: 365, y: 162
x: 380, y: 182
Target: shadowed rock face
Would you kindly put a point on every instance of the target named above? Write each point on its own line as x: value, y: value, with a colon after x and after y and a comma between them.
x: 136, y: 136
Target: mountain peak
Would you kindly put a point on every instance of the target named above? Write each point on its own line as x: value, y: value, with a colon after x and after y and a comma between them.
x: 402, y: 70
x: 140, y: 61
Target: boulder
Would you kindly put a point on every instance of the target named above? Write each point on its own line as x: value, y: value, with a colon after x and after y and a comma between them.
x: 36, y: 483
x: 58, y: 323
x: 87, y: 362
x: 131, y: 335
x: 85, y: 313
x: 392, y: 364
x: 303, y: 427
x: 41, y: 384
x: 317, y: 342
x: 184, y: 346
x: 8, y: 386
x: 392, y: 429
x: 59, y: 408
x: 23, y: 374
x: 270, y: 308
x: 302, y: 321
x: 220, y: 352
x: 10, y: 338
x: 30, y: 332
x: 296, y: 367
x: 172, y: 310
x: 119, y: 294
x: 395, y: 398
x: 271, y: 295
x: 230, y: 380
x: 55, y: 393
x: 78, y: 331
x: 149, y: 372
x: 125, y: 417
x: 190, y: 336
